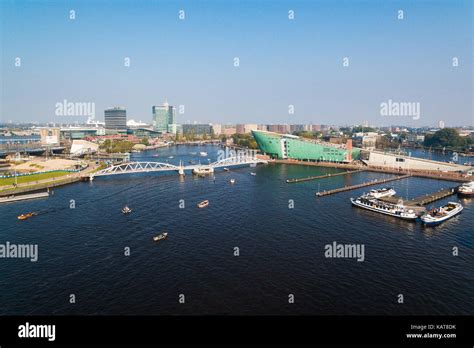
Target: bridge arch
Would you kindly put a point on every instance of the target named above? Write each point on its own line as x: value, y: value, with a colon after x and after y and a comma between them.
x: 135, y: 167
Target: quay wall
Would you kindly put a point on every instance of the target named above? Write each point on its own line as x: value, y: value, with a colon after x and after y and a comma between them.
x: 380, y: 159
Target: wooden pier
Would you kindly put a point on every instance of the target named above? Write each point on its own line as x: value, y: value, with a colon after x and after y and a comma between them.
x: 295, y: 180
x: 423, y: 200
x: 365, y: 184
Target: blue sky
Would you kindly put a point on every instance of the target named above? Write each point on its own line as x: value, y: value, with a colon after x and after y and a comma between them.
x: 282, y: 61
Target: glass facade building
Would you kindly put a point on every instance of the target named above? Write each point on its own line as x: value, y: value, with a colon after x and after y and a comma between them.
x: 163, y: 116
x: 116, y: 119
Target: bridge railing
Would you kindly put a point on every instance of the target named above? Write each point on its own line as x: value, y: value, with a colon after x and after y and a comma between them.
x: 236, y: 160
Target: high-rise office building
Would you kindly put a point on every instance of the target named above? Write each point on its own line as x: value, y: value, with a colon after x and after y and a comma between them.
x: 163, y: 115
x: 116, y: 119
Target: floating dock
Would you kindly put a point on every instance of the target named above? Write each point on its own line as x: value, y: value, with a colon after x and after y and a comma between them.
x: 423, y: 200
x: 16, y: 198
x: 365, y: 184
x: 292, y: 181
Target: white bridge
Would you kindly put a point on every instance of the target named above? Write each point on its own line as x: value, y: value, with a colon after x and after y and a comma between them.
x: 147, y: 167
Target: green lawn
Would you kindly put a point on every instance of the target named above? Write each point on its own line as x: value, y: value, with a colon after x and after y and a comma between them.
x: 30, y: 178
x: 102, y: 166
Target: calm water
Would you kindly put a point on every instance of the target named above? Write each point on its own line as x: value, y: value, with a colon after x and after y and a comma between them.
x: 81, y: 250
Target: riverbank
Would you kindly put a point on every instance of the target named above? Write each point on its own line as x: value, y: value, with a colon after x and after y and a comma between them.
x: 40, y: 186
x: 49, y: 182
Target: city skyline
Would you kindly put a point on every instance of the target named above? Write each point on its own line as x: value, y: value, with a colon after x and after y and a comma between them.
x: 289, y: 70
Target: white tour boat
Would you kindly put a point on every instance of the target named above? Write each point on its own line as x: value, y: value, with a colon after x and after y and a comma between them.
x: 466, y: 189
x: 396, y: 210
x: 203, y: 170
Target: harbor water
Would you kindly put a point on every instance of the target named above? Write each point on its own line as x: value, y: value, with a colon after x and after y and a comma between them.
x: 259, y: 241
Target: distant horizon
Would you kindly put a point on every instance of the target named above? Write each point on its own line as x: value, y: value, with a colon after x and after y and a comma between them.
x: 3, y: 123
x: 279, y: 62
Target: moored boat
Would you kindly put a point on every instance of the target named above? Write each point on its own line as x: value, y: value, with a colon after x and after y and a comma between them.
x: 383, y: 192
x: 396, y: 210
x: 203, y: 170
x: 161, y: 236
x: 466, y: 189
x: 203, y: 204
x: 443, y: 213
x: 253, y: 173
x: 232, y: 181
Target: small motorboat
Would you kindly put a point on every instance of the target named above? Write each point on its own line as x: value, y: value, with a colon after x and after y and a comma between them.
x: 203, y: 204
x: 126, y: 210
x: 171, y: 157
x: 26, y: 216
x: 203, y: 154
x: 438, y: 215
x: 232, y: 181
x: 161, y: 236
x: 253, y: 173
x: 226, y: 169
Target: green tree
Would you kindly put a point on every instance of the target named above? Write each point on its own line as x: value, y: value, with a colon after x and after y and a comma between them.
x: 360, y: 129
x: 305, y: 134
x: 446, y: 137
